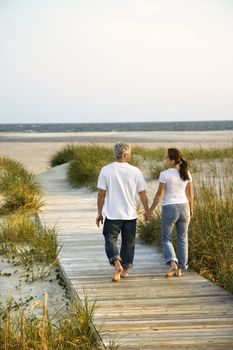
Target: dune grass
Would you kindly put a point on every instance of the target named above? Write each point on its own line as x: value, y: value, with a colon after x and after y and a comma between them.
x: 40, y: 331
x: 34, y: 248
x: 211, y: 228
x: 64, y: 155
x: 85, y: 167
x: 19, y: 188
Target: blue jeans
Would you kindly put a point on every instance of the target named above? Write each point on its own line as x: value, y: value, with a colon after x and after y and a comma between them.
x: 111, y: 231
x: 176, y: 215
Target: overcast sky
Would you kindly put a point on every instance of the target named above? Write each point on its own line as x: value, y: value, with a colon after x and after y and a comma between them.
x: 115, y: 60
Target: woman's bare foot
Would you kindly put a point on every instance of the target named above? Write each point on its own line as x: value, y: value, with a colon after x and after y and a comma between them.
x: 178, y: 272
x: 124, y: 273
x: 172, y: 269
x: 118, y: 270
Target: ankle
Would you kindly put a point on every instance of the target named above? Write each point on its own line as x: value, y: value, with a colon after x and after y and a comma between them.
x: 173, y: 264
x: 117, y: 265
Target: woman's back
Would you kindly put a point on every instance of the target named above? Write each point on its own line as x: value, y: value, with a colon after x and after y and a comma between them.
x: 174, y: 186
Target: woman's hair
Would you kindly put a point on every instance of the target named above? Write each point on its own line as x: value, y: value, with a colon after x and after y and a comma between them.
x: 120, y: 149
x: 175, y: 154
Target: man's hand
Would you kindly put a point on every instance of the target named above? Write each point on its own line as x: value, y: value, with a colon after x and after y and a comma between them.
x: 99, y: 220
x: 146, y: 215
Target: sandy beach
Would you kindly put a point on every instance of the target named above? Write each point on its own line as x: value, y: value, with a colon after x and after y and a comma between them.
x: 35, y: 149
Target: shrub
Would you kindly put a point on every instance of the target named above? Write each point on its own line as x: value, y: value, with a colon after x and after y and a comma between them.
x: 150, y: 231
x: 19, y: 188
x: 20, y: 330
x: 88, y: 161
x: 64, y: 155
x: 25, y: 243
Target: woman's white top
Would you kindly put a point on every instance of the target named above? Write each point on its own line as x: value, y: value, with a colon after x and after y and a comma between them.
x: 122, y: 182
x: 175, y: 186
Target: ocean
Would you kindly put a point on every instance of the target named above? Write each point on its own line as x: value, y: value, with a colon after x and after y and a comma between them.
x: 111, y: 127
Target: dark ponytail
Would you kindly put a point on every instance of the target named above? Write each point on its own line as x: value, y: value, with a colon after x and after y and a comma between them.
x: 175, y: 154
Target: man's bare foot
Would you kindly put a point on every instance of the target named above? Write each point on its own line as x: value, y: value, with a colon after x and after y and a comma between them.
x: 118, y: 270
x: 124, y: 273
x: 172, y: 269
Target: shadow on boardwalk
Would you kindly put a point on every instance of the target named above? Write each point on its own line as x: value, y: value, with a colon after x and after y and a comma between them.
x: 145, y: 311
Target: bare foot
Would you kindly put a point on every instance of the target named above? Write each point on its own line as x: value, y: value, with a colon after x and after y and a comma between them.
x: 178, y: 272
x: 124, y: 273
x: 172, y: 269
x: 118, y: 270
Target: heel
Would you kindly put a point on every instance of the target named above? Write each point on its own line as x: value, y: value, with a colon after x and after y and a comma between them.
x: 178, y: 272
x: 172, y: 270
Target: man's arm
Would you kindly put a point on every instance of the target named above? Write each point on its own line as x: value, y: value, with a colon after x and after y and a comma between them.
x: 100, y: 203
x: 158, y: 196
x: 144, y: 201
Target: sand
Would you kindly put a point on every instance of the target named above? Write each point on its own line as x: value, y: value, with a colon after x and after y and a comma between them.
x: 35, y: 149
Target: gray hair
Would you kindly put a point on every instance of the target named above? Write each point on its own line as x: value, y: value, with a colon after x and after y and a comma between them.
x: 120, y: 149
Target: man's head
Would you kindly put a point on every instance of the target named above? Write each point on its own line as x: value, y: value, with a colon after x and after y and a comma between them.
x: 122, y: 151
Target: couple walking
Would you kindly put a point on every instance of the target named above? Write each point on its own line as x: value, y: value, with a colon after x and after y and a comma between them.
x: 118, y: 186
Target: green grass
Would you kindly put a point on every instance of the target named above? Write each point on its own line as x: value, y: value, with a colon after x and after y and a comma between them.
x: 85, y: 167
x: 64, y: 155
x: 41, y: 331
x: 19, y: 188
x: 28, y: 245
x: 211, y: 232
x: 211, y: 228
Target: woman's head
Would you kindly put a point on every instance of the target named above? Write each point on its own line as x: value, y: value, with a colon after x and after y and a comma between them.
x: 175, y: 155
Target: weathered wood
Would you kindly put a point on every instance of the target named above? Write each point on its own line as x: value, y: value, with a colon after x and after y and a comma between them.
x: 145, y: 311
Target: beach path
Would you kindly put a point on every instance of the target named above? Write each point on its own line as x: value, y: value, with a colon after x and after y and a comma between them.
x: 146, y: 310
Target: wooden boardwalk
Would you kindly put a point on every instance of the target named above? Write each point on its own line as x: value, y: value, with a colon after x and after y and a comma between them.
x: 145, y: 311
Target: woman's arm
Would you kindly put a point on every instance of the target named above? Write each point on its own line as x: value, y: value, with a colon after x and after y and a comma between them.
x: 189, y: 194
x: 158, y: 196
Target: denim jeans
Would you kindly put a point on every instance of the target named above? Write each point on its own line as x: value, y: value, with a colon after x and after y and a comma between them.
x: 177, y: 215
x: 111, y: 231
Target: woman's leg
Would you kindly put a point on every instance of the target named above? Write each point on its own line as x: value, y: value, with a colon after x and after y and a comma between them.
x: 182, y: 236
x: 169, y: 217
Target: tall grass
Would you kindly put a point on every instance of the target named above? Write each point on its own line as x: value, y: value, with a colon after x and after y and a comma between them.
x: 19, y: 188
x: 211, y: 228
x: 64, y: 155
x: 85, y: 167
x: 25, y: 243
x: 211, y: 231
x: 41, y: 331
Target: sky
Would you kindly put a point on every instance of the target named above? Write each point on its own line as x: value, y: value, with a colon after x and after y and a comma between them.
x: 115, y: 61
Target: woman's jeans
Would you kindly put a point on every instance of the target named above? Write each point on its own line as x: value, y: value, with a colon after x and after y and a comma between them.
x: 176, y: 215
x: 111, y: 231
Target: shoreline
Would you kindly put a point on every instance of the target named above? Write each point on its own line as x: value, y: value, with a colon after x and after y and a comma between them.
x: 133, y: 136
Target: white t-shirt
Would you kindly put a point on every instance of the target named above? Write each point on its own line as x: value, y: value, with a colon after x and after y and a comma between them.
x: 175, y: 186
x: 122, y: 182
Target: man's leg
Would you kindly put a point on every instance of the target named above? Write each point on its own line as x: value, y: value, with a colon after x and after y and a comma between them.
x: 111, y: 232
x: 128, y: 233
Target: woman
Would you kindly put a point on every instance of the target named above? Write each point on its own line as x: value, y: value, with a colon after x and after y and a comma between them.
x: 175, y: 187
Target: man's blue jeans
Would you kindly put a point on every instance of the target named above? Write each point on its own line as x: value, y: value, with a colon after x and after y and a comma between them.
x: 111, y: 231
x: 176, y: 215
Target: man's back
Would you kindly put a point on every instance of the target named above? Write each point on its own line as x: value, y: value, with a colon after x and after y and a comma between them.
x: 122, y: 182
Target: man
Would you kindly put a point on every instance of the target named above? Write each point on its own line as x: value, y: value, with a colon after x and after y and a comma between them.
x: 118, y: 184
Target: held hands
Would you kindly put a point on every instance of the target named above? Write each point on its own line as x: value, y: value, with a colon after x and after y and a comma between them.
x: 148, y: 214
x: 99, y: 220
